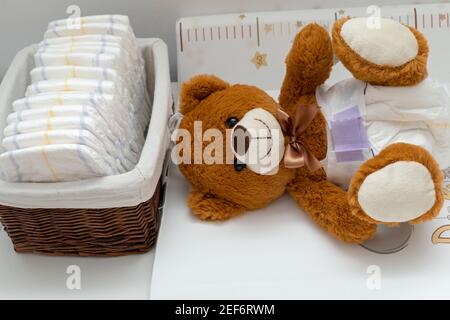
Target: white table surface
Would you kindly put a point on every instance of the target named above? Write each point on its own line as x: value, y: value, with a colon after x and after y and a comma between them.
x: 29, y: 276
x: 279, y: 253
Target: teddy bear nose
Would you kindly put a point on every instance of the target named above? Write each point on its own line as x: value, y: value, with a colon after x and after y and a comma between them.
x: 241, y: 140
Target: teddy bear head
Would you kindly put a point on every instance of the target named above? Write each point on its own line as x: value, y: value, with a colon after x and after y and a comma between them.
x: 381, y: 51
x: 216, y: 116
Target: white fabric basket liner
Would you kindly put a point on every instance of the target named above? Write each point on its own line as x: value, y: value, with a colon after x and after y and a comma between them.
x: 124, y: 190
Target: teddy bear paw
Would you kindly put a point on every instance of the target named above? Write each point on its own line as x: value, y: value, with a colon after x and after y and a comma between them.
x: 403, y: 183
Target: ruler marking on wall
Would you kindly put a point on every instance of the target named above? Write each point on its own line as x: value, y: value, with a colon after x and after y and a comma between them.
x: 257, y: 32
x: 181, y: 37
x: 415, y: 18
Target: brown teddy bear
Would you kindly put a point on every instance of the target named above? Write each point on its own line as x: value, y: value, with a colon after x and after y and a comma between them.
x: 221, y: 191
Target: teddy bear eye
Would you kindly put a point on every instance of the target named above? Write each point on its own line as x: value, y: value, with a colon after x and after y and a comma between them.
x: 231, y: 122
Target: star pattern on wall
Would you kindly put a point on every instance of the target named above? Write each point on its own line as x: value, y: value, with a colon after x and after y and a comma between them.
x: 242, y: 16
x: 447, y: 192
x: 299, y: 23
x: 341, y: 12
x: 442, y: 16
x: 259, y: 60
x: 268, y: 27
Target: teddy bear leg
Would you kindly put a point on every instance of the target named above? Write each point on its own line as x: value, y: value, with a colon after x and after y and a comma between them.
x: 327, y: 205
x: 402, y: 183
x: 308, y: 64
x: 208, y: 207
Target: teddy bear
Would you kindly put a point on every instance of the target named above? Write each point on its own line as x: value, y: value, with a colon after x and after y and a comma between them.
x: 221, y: 190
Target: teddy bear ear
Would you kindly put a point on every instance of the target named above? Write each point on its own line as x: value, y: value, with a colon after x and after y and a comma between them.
x: 198, y: 88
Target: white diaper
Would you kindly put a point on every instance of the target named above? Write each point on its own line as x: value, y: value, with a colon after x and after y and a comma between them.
x: 106, y: 104
x: 112, y: 28
x: 59, y: 137
x: 111, y: 18
x: 80, y: 112
x: 53, y: 163
x: 418, y: 115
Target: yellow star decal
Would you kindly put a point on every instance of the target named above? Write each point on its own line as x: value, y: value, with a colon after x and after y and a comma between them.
x: 268, y: 27
x: 242, y: 16
x: 259, y: 60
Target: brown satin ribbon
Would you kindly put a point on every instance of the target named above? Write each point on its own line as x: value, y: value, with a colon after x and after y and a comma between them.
x: 296, y: 154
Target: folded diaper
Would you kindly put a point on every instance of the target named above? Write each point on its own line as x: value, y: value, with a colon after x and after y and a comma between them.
x: 113, y: 18
x: 106, y: 104
x: 59, y: 137
x: 87, y: 108
x: 125, y: 43
x: 76, y: 29
x: 53, y: 163
x: 63, y: 72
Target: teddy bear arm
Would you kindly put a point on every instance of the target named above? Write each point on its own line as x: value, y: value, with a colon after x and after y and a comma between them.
x: 210, y: 207
x: 328, y: 207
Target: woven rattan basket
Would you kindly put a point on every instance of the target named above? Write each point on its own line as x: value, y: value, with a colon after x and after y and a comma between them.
x: 108, y: 216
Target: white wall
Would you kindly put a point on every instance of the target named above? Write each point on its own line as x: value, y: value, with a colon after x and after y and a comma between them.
x: 23, y: 22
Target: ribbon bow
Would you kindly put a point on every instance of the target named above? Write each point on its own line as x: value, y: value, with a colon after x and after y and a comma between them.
x: 296, y: 154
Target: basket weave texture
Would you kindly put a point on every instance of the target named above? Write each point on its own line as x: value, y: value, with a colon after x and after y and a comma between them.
x: 83, y: 232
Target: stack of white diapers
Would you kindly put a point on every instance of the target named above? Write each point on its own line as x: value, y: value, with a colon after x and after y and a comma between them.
x: 86, y: 111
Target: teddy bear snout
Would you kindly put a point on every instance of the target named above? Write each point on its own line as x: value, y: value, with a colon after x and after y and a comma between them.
x: 257, y: 141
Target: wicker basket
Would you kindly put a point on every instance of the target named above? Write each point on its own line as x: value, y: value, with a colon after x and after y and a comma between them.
x: 108, y: 216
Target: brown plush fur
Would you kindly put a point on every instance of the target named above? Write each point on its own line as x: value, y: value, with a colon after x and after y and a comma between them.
x: 393, y: 153
x: 308, y: 64
x: 407, y: 74
x: 244, y: 188
x: 219, y: 192
x: 198, y: 89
